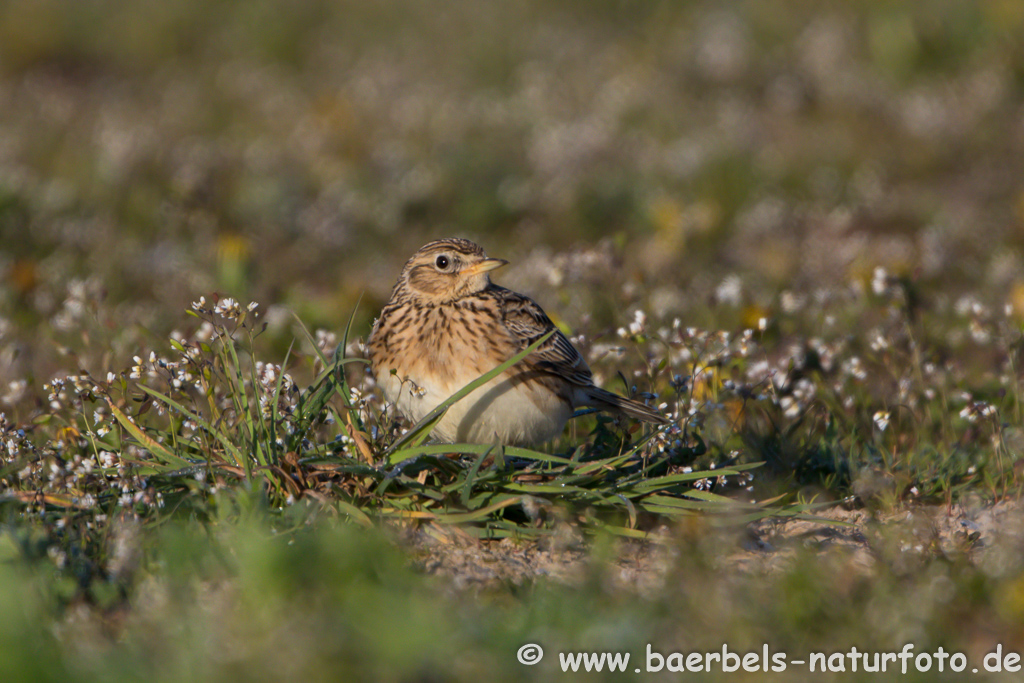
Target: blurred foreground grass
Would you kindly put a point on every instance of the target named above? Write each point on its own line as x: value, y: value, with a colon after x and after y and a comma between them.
x: 797, y: 225
x: 263, y: 598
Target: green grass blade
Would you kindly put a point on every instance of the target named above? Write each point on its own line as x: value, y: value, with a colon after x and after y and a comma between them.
x: 473, y: 449
x: 423, y: 427
x: 467, y: 487
x: 155, y: 448
x: 241, y: 399
x: 683, y: 477
x: 697, y: 494
x: 354, y: 512
x: 626, y: 532
x: 239, y: 458
x: 342, y: 379
x: 476, y: 515
x: 333, y: 379
x: 271, y: 429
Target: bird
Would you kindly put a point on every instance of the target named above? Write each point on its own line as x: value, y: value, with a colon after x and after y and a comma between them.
x: 447, y: 324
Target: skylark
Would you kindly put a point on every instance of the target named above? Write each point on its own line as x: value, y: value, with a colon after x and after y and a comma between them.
x: 446, y: 324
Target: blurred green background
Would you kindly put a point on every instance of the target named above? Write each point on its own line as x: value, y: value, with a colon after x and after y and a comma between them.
x: 692, y: 159
x: 297, y: 153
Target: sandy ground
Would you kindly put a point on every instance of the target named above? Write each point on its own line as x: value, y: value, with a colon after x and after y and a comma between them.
x: 991, y: 535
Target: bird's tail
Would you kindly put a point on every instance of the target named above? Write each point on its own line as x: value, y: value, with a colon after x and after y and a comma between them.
x: 606, y: 400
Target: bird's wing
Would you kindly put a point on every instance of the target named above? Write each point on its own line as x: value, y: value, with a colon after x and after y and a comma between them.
x: 526, y: 322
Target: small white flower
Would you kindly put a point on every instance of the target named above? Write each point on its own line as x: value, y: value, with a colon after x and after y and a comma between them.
x: 854, y: 368
x: 639, y: 320
x: 792, y: 302
x: 730, y: 290
x: 880, y: 281
x: 228, y: 308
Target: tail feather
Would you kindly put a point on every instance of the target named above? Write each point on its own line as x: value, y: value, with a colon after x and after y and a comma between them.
x: 606, y: 400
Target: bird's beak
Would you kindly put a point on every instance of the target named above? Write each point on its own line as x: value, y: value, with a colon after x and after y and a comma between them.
x: 485, y: 266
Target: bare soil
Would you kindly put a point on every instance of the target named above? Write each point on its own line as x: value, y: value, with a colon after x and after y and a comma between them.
x: 989, y: 535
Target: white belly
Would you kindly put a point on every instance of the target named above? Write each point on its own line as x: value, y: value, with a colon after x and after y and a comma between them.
x: 498, y: 412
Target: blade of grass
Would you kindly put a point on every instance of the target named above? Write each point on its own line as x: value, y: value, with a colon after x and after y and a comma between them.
x: 467, y: 487
x: 271, y: 429
x: 342, y: 379
x: 606, y: 464
x: 472, y: 449
x: 690, y: 503
x: 495, y: 530
x: 155, y: 448
x: 672, y: 479
x: 333, y: 379
x: 556, y: 489
x: 241, y: 399
x: 354, y: 512
x: 341, y: 384
x: 423, y: 427
x: 627, y: 532
x: 240, y: 459
x: 476, y: 515
x: 697, y: 494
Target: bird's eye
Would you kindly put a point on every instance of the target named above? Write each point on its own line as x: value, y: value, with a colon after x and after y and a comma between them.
x: 442, y: 262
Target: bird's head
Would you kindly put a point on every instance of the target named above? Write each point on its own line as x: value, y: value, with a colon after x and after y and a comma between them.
x: 446, y: 270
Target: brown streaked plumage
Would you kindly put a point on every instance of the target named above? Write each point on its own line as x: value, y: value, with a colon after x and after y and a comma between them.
x: 446, y: 324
